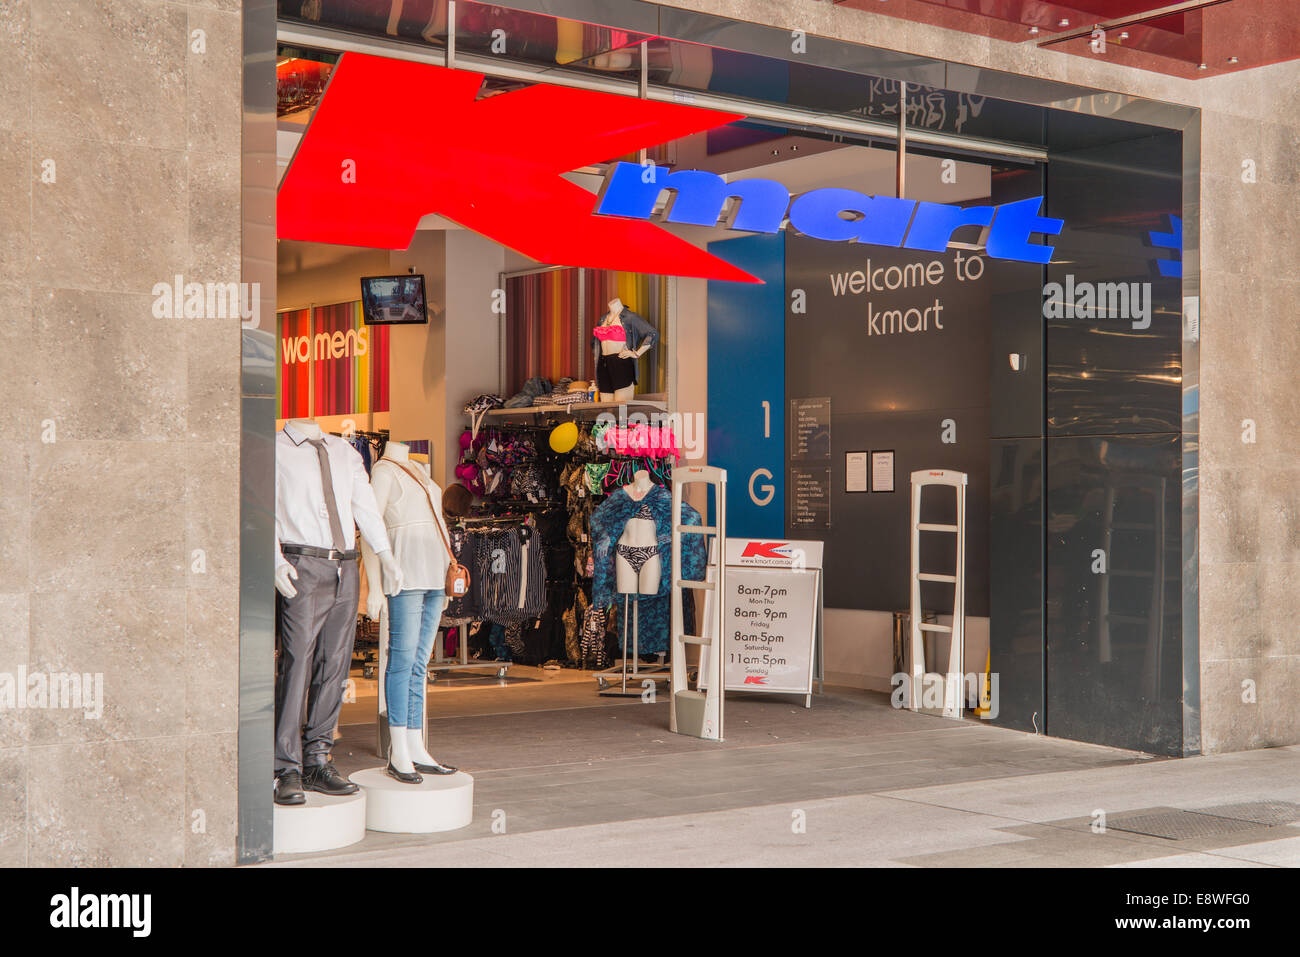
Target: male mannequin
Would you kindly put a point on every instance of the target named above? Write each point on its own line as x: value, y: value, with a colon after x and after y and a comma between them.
x: 322, y: 494
x: 410, y: 503
x: 621, y: 338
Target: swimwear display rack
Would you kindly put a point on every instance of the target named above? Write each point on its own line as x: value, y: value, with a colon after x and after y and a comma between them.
x: 627, y: 671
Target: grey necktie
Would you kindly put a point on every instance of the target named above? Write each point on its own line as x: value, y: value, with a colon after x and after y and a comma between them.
x: 327, y: 484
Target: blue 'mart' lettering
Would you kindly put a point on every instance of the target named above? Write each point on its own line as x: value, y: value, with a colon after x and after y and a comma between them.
x: 934, y: 224
x: 696, y: 197
x: 879, y: 220
x: 701, y: 198
x: 1012, y: 227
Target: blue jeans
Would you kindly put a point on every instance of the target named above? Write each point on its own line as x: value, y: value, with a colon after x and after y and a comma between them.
x: 413, y: 616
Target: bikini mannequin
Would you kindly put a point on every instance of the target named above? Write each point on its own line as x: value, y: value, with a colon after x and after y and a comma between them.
x: 637, y: 568
x: 413, y: 612
x: 618, y: 347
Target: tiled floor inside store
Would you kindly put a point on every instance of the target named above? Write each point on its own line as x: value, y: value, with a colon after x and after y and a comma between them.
x: 596, y: 780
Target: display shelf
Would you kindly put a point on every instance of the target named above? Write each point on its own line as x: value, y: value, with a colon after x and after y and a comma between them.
x: 579, y: 410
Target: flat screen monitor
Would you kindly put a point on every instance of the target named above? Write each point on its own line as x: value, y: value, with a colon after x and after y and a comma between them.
x: 393, y: 300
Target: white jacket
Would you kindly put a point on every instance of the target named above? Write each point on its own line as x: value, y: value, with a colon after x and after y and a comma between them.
x: 417, y: 543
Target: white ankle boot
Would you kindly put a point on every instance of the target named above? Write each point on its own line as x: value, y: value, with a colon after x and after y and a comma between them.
x: 399, y: 755
x: 419, y: 754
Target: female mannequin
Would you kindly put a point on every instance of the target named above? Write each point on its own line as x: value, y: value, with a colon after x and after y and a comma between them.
x: 411, y: 504
x: 620, y: 339
x: 637, y: 566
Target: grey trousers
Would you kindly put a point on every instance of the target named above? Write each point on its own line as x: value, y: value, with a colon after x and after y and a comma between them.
x: 317, y: 629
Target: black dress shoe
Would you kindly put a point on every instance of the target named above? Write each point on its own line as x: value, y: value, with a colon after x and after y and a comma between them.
x: 411, y: 778
x: 434, y: 768
x: 327, y: 779
x: 288, y: 789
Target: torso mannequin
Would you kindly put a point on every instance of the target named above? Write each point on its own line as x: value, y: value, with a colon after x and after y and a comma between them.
x: 308, y: 427
x: 611, y: 337
x: 637, y: 568
x: 417, y: 541
x: 640, y: 486
x: 389, y: 576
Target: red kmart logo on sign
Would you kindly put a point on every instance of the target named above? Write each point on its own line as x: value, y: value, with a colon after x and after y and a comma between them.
x: 324, y: 345
x: 766, y: 550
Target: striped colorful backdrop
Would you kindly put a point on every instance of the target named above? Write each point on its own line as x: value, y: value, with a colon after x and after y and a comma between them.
x: 549, y: 317
x: 345, y: 384
x: 542, y: 327
x: 293, y: 384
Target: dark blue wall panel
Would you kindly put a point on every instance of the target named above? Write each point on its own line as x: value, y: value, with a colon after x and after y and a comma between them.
x: 747, y: 385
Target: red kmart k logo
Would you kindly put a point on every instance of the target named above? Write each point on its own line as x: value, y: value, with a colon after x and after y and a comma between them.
x: 393, y: 141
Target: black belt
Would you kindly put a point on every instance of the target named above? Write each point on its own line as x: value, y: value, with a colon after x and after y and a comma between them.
x: 311, y: 551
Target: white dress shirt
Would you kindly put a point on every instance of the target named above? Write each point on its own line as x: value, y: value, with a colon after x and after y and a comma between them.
x: 301, y: 516
x: 417, y: 542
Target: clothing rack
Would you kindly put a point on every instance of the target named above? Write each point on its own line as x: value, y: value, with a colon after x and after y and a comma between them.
x: 461, y: 662
x: 531, y: 426
x: 381, y: 435
x: 482, y: 520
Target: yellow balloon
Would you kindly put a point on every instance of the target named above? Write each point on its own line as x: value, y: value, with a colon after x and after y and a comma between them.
x: 564, y: 437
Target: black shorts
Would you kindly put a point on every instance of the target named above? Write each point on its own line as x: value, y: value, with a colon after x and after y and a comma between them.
x: 614, y: 373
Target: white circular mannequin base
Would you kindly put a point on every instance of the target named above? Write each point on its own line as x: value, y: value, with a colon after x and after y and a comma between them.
x: 322, y: 824
x: 441, y: 802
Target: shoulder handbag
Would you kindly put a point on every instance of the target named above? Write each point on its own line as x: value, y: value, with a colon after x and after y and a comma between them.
x: 457, y: 574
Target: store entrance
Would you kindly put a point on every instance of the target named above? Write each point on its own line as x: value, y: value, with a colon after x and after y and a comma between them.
x: 504, y: 396
x: 849, y: 341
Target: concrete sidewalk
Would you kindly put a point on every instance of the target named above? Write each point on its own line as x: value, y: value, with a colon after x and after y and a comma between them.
x: 852, y: 782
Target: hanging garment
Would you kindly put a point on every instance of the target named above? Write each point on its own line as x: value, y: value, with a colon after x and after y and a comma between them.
x: 591, y: 652
x: 642, y: 440
x: 514, y: 641
x: 511, y: 571
x: 496, y: 637
x: 573, y: 617
x: 464, y: 545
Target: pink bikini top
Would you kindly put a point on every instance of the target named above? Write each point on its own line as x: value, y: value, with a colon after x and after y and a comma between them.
x: 610, y: 333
